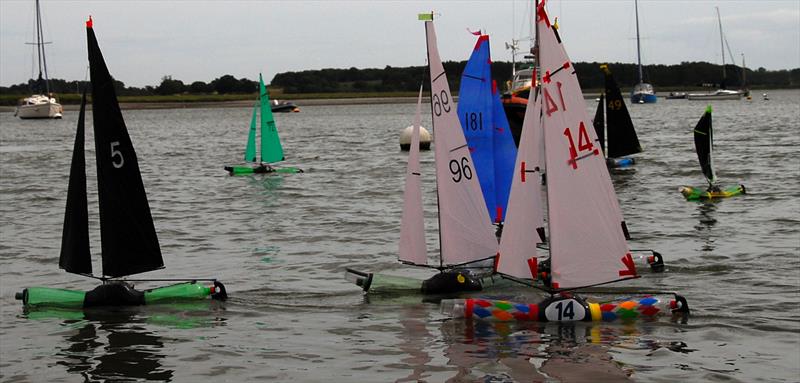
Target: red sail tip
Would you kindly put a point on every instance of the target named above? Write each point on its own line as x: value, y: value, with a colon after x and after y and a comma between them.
x: 89, y: 22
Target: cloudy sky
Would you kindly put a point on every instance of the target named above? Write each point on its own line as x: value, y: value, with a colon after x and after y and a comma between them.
x: 192, y: 40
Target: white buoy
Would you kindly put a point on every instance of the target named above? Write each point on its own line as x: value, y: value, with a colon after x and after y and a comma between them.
x: 424, y: 139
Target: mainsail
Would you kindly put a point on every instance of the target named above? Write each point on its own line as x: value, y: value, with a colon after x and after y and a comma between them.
x: 75, y: 254
x: 525, y: 210
x: 412, y: 228
x: 486, y: 129
x: 127, y: 235
x: 271, y: 150
x: 465, y: 229
x: 703, y: 143
x: 587, y: 243
x: 622, y: 139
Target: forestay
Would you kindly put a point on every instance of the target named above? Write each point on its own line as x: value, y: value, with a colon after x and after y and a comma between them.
x: 465, y: 229
x: 587, y: 243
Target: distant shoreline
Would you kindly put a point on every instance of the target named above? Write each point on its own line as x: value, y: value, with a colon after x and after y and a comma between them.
x: 248, y: 103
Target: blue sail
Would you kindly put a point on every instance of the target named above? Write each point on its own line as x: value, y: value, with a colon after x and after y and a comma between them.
x: 486, y: 129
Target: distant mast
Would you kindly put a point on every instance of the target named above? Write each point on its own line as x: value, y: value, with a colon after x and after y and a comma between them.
x: 638, y: 44
x: 721, y: 47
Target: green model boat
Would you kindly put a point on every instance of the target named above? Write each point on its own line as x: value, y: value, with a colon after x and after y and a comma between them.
x: 271, y: 149
x: 704, y: 145
x: 127, y: 234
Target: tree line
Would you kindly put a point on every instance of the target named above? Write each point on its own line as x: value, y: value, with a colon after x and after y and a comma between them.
x: 687, y: 75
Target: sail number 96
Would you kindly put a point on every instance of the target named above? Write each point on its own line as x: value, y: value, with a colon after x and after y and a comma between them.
x: 441, y: 102
x: 460, y: 170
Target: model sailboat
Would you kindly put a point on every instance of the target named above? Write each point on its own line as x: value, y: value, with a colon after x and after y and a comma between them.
x: 588, y: 244
x: 271, y: 149
x: 486, y: 129
x: 466, y: 234
x: 614, y: 128
x: 704, y: 145
x: 127, y: 234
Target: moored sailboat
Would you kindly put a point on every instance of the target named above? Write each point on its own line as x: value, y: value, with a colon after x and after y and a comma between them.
x: 642, y: 92
x: 722, y: 93
x: 42, y: 104
x: 613, y: 125
x: 271, y: 149
x: 704, y: 145
x: 587, y: 241
x: 127, y: 233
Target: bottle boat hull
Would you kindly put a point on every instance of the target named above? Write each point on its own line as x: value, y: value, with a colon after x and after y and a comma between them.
x: 118, y: 294
x: 260, y: 169
x: 696, y: 194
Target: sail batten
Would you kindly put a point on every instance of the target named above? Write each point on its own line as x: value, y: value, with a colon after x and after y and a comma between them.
x: 127, y: 234
x: 75, y: 251
x: 465, y: 229
x: 587, y: 245
x: 413, y: 248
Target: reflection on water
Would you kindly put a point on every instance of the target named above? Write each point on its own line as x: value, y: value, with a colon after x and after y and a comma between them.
x: 531, y: 351
x: 706, y: 214
x: 115, y: 344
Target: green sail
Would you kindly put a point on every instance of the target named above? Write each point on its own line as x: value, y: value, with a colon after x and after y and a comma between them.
x: 250, y: 152
x: 271, y: 150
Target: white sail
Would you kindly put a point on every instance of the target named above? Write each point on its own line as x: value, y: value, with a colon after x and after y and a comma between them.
x: 525, y: 216
x: 412, y: 230
x: 587, y: 244
x: 465, y: 228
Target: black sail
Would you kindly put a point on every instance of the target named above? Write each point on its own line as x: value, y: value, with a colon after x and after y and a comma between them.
x: 703, y: 139
x: 127, y: 234
x: 599, y: 123
x: 75, y: 255
x: 621, y: 136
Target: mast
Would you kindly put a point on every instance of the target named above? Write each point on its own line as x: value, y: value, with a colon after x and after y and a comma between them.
x: 40, y: 55
x: 435, y: 170
x: 638, y: 45
x: 721, y: 46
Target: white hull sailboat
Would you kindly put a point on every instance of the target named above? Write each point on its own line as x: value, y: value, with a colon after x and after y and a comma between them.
x: 40, y: 105
x: 719, y: 94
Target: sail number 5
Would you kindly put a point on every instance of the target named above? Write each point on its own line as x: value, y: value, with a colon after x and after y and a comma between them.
x: 460, y: 171
x: 115, y: 152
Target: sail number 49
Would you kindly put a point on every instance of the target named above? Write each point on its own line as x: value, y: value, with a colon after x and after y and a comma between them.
x: 114, y: 153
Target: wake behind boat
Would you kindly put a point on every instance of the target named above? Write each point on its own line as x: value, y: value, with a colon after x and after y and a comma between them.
x: 127, y: 234
x: 271, y: 149
x: 42, y: 104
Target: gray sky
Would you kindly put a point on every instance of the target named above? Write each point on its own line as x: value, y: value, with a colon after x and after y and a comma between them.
x: 201, y: 40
